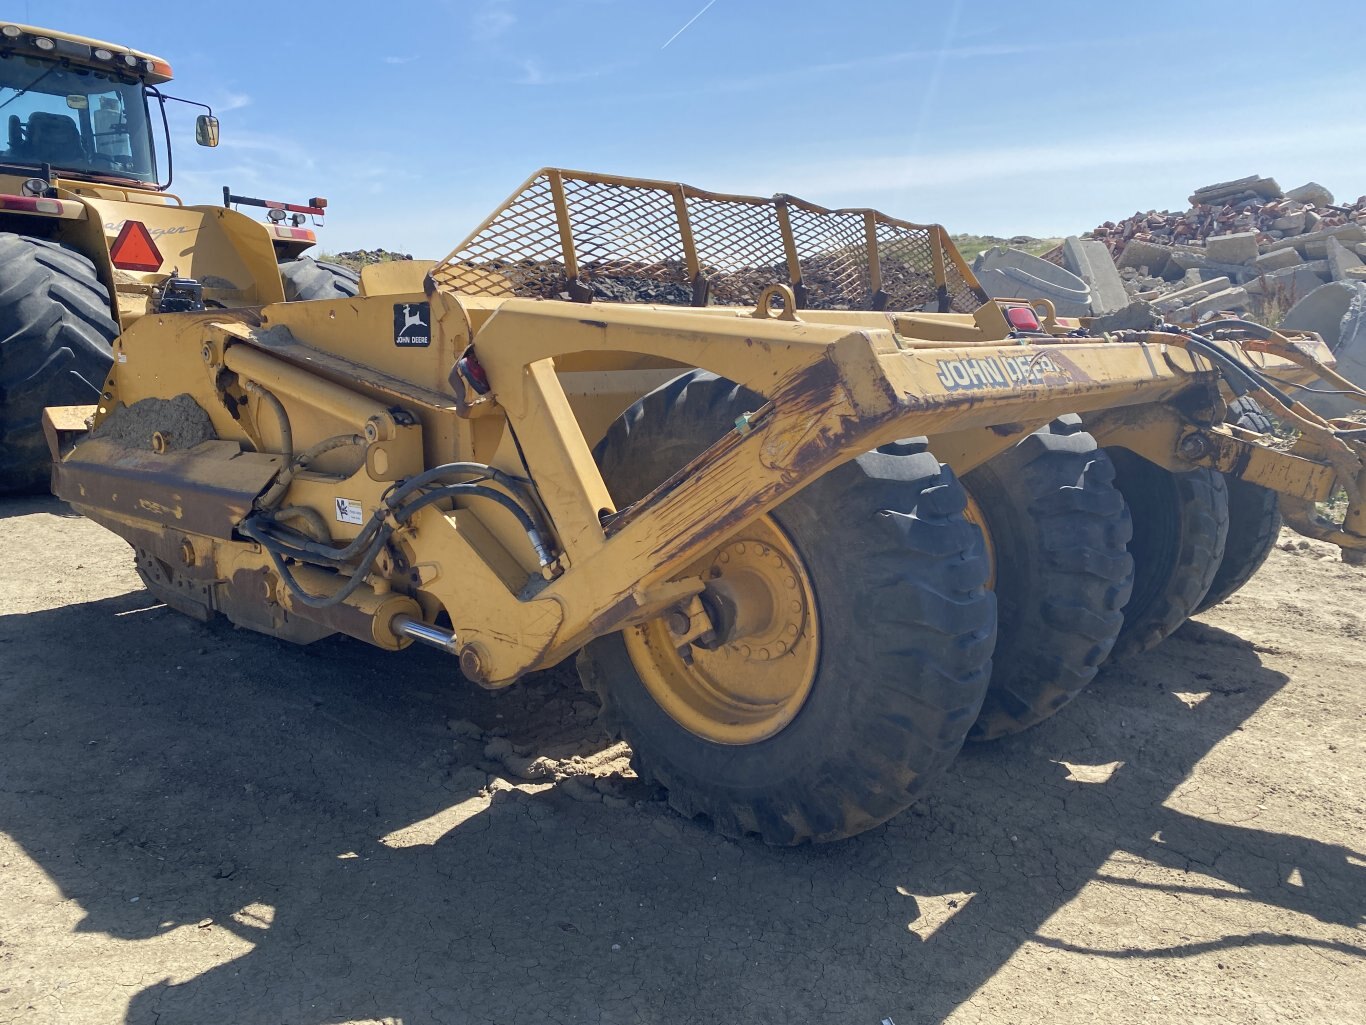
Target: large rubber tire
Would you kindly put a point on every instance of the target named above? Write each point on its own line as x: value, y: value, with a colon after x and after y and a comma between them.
x: 1058, y: 530
x: 55, y: 348
x: 907, y: 625
x: 1180, y: 523
x: 1254, y: 516
x: 307, y: 278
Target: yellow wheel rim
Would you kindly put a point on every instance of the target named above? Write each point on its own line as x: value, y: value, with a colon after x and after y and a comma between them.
x: 759, y: 672
x: 975, y: 516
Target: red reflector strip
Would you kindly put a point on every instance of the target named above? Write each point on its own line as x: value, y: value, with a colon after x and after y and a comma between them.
x: 1022, y: 318
x: 40, y: 205
x: 135, y: 249
x: 293, y: 233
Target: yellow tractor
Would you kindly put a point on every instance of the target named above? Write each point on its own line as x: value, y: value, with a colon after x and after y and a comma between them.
x: 783, y: 477
x: 91, y: 239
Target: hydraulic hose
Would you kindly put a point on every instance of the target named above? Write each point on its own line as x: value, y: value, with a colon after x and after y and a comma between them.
x: 281, y: 416
x: 478, y: 491
x: 276, y: 491
x: 1241, y: 377
x: 377, y: 535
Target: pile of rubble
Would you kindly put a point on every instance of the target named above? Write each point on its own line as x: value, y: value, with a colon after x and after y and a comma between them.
x: 1243, y: 246
x: 1293, y: 259
x: 365, y: 257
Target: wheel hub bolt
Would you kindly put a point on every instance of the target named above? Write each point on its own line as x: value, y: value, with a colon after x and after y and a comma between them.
x: 1194, y: 446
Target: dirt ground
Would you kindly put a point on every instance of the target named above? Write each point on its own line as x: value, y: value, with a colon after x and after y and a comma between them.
x: 200, y: 825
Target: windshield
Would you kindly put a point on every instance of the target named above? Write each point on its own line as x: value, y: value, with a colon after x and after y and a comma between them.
x: 77, y: 119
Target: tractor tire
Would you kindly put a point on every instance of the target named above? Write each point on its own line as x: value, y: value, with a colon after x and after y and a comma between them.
x: 1254, y: 516
x: 1057, y: 531
x: 56, y: 338
x: 889, y: 656
x: 307, y: 278
x: 1180, y: 523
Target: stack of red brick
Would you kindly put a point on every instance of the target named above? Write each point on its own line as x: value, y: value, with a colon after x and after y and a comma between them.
x: 1251, y: 204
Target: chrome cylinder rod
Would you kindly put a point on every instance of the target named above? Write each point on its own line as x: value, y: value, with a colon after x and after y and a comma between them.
x: 427, y: 634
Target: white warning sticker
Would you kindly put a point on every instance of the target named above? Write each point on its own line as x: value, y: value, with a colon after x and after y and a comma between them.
x: 349, y: 511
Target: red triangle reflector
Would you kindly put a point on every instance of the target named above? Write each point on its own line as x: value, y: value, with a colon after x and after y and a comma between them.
x: 135, y: 249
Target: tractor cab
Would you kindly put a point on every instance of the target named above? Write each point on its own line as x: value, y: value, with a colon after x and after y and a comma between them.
x: 85, y: 111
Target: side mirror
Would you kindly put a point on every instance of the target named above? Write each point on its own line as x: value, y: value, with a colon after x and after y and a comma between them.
x: 206, y: 130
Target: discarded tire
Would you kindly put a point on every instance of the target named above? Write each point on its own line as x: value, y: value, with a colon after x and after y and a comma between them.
x: 1254, y: 517
x: 895, y: 650
x: 55, y: 348
x: 307, y: 278
x: 1180, y: 527
x: 1057, y: 530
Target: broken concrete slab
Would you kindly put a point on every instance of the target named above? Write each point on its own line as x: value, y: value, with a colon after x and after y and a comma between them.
x: 1339, y: 316
x: 1322, y: 310
x: 1184, y: 296
x: 1091, y: 261
x: 1239, y: 247
x: 1318, y: 240
x: 1288, y: 285
x: 1137, y: 316
x: 1311, y: 192
x: 1341, y: 259
x: 1276, y: 259
x: 1149, y: 257
x: 1228, y: 299
x: 1222, y: 192
x: 1193, y: 259
x: 1012, y: 274
x: 1291, y: 224
x: 1317, y: 249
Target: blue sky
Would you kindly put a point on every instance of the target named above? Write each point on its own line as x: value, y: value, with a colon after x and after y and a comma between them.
x: 416, y: 119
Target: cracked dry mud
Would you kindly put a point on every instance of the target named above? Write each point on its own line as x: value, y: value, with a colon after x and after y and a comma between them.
x: 200, y: 825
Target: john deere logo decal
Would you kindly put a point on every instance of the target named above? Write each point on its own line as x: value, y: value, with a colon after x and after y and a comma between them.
x: 412, y: 324
x: 998, y: 372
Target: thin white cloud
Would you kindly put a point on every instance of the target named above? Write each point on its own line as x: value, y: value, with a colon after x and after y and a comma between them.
x: 874, y: 174
x: 400, y: 60
x: 234, y: 101
x: 533, y: 74
x: 493, y: 20
x: 804, y: 72
x: 278, y: 150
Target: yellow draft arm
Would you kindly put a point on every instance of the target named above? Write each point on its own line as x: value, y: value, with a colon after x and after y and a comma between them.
x: 831, y: 392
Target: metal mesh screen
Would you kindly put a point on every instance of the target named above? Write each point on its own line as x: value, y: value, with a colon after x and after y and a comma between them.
x: 739, y: 248
x: 833, y: 256
x: 907, y: 261
x: 628, y: 241
x: 567, y: 234
x: 518, y: 250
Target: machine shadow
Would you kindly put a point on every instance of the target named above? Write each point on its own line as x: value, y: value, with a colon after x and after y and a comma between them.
x: 232, y: 782
x: 15, y: 507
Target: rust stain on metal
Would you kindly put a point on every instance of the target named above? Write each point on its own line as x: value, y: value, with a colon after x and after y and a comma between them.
x: 204, y: 495
x: 612, y: 616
